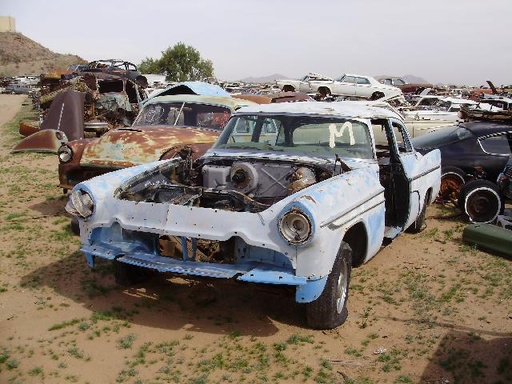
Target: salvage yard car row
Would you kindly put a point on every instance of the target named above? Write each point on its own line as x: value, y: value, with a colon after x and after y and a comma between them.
x: 258, y: 190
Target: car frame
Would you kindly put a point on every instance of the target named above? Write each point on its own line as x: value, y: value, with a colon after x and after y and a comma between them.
x: 291, y: 194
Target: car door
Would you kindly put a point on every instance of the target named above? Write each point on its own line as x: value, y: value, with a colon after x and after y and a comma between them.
x: 411, y: 177
x: 363, y: 87
x: 345, y: 86
x: 304, y: 85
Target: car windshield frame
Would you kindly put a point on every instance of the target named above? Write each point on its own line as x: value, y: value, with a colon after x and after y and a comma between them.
x: 314, y: 135
x: 184, y: 114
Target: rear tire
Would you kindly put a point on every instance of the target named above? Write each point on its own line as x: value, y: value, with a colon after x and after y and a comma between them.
x: 330, y: 309
x: 419, y: 224
x: 377, y: 95
x: 452, y: 180
x: 480, y: 201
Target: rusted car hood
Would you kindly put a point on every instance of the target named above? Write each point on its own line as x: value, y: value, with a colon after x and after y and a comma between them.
x: 125, y: 147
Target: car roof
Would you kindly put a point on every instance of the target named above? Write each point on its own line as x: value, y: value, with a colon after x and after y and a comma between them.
x: 224, y: 101
x: 351, y: 109
x: 192, y: 87
x: 485, y: 128
x: 355, y: 75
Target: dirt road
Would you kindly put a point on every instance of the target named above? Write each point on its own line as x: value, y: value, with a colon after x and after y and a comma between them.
x: 10, y: 106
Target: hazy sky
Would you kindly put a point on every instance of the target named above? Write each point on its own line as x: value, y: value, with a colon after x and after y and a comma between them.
x: 443, y: 41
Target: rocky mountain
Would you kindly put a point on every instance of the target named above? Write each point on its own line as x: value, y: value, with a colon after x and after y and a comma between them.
x: 20, y: 55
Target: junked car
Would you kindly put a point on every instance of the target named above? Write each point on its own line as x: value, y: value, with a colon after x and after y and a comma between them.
x: 472, y: 150
x: 164, y: 127
x: 291, y: 194
x: 361, y: 87
x: 348, y: 86
x: 405, y: 86
x: 434, y: 107
x: 308, y: 83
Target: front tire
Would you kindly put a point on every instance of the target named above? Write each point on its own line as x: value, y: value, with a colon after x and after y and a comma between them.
x: 480, y: 201
x: 324, y: 93
x: 330, y: 309
x: 128, y: 274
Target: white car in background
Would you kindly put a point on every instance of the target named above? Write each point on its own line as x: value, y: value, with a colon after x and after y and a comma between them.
x: 360, y: 87
x: 435, y: 107
x: 347, y: 86
x: 308, y: 84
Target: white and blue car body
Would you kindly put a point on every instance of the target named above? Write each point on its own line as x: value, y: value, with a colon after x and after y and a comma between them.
x: 291, y: 193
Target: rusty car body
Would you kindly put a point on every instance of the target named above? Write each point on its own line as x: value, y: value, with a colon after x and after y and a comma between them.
x: 164, y: 126
x: 291, y: 194
x: 405, y: 86
x: 63, y: 122
x: 94, y: 102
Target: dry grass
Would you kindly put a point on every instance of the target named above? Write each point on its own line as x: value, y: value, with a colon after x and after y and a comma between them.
x: 427, y: 309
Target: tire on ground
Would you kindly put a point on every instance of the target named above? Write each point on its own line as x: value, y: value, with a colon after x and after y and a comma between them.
x: 330, y: 309
x: 480, y: 201
x: 128, y: 274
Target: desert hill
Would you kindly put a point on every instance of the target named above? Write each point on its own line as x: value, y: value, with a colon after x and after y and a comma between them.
x: 20, y: 55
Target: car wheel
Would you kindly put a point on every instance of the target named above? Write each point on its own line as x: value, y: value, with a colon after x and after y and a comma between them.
x: 377, y: 96
x: 324, y: 92
x: 128, y: 274
x: 288, y: 88
x: 480, y: 201
x: 452, y: 180
x: 419, y: 224
x: 74, y: 226
x: 330, y: 309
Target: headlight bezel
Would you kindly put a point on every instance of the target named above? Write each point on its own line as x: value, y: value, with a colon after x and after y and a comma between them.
x: 81, y: 204
x: 295, y: 225
x: 65, y: 153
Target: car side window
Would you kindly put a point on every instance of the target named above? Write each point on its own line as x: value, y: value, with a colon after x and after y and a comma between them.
x: 499, y: 144
x: 362, y: 81
x: 402, y: 139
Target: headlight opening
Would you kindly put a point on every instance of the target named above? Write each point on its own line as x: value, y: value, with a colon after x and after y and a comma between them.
x: 80, y: 204
x: 295, y: 226
x: 65, y: 153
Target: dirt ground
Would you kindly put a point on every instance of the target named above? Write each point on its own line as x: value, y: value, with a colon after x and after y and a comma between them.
x: 427, y: 309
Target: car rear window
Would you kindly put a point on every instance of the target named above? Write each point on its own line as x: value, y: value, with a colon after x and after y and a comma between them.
x: 442, y: 136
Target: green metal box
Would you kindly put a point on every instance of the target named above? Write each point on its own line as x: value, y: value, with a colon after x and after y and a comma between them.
x: 489, y: 237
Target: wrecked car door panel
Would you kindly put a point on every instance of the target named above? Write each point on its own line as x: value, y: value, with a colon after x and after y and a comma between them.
x: 409, y: 177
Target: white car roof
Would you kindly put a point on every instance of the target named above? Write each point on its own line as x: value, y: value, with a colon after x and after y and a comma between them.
x: 347, y: 109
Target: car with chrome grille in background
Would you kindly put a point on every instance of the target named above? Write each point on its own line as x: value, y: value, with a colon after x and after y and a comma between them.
x: 291, y: 194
